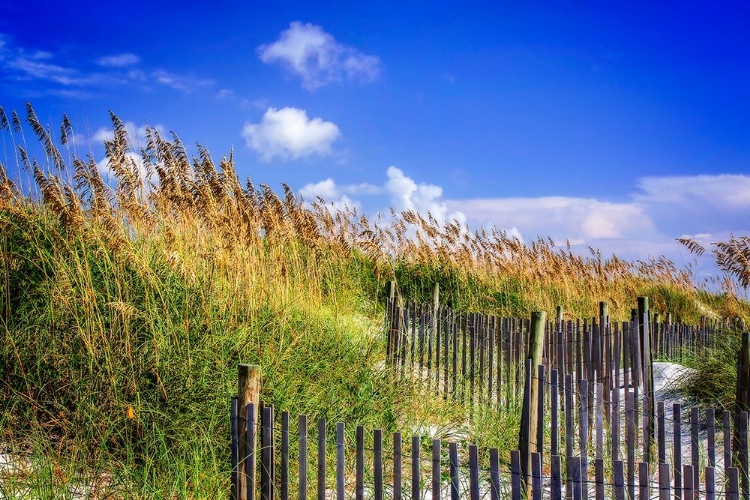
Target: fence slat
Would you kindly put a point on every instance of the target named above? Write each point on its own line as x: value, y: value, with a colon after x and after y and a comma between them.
x: 359, y: 468
x: 515, y: 478
x: 555, y: 418
x: 453, y: 456
x: 630, y: 412
x: 340, y: 493
x: 536, y: 478
x: 377, y: 451
x: 643, y: 478
x: 665, y: 489
x: 556, y: 479
x: 677, y: 449
x: 495, y: 474
x: 302, y: 457
x: 711, y: 436
x: 474, y: 472
x: 733, y: 486
x: 416, y: 472
x: 396, y: 466
x: 235, y: 445
x: 726, y: 427
x: 710, y: 483
x: 284, y: 456
x: 266, y: 482
x: 687, y: 482
x: 583, y: 428
x: 321, y: 459
x: 576, y: 473
x: 661, y: 432
x: 695, y: 447
x: 436, y: 476
x: 619, y: 480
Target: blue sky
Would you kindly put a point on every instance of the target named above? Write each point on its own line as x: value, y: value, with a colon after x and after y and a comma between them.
x: 618, y: 126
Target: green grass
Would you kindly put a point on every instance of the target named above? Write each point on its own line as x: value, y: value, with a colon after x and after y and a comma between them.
x: 111, y: 299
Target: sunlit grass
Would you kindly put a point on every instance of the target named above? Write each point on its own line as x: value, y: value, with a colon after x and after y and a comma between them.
x: 126, y: 307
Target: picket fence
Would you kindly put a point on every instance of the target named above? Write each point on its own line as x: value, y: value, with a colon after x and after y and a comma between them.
x: 602, y: 431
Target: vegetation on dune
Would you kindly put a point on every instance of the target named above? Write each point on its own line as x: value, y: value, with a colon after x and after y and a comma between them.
x: 126, y: 304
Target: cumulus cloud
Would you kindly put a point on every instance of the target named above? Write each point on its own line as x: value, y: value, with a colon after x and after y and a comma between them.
x: 118, y: 60
x: 560, y: 217
x: 402, y: 191
x: 423, y: 198
x: 333, y: 195
x: 315, y: 56
x: 708, y: 207
x: 288, y: 133
x: 330, y: 191
x: 700, y: 203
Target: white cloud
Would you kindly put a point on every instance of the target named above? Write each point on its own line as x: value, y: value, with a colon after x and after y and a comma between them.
x: 404, y: 194
x: 701, y: 203
x: 330, y: 191
x: 118, y: 60
x: 332, y: 194
x: 560, y: 217
x: 326, y: 189
x: 423, y: 198
x: 315, y: 56
x: 182, y: 83
x: 289, y: 134
x: 29, y: 68
x: 724, y: 190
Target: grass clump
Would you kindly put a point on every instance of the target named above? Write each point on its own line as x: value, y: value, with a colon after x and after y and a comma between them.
x: 126, y: 304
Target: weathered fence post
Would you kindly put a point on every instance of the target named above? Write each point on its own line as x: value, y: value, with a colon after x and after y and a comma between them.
x: 529, y: 413
x: 649, y: 401
x: 248, y: 390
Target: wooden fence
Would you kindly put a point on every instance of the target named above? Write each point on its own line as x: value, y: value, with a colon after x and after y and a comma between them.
x: 602, y: 429
x: 475, y: 357
x: 587, y: 465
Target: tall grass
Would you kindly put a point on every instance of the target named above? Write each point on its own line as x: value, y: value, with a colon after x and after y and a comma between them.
x: 126, y: 304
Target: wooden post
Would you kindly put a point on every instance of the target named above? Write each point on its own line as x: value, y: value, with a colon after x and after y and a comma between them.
x: 453, y: 457
x: 665, y: 492
x: 649, y: 401
x: 495, y: 474
x: 397, y: 464
x: 248, y: 391
x: 340, y: 493
x: 302, y: 492
x: 436, y: 472
x: 474, y: 473
x: 416, y: 471
x: 377, y: 456
x: 436, y: 297
x: 322, y: 459
x: 359, y: 472
x: 556, y: 483
x: 529, y: 414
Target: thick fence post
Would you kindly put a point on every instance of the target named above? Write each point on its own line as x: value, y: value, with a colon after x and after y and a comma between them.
x: 248, y: 391
x: 529, y: 414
